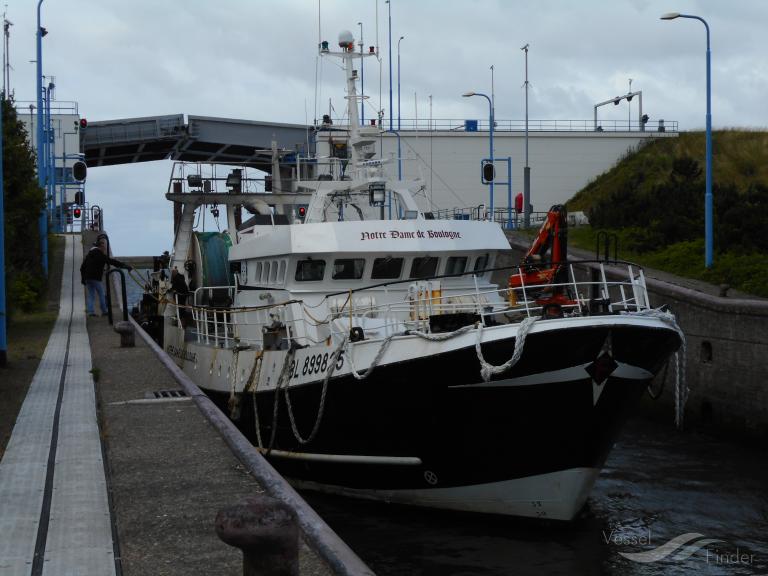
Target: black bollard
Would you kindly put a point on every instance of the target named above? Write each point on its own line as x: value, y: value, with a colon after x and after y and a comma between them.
x: 265, y: 529
x: 127, y: 333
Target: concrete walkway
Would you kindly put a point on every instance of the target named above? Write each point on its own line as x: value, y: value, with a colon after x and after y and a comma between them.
x: 54, y: 509
x: 170, y: 470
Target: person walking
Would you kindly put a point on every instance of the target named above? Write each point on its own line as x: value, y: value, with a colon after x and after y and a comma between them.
x: 92, y: 272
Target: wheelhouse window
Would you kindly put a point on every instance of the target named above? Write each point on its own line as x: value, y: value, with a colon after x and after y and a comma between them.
x: 348, y: 268
x: 424, y: 267
x: 481, y: 263
x: 310, y: 270
x: 456, y: 265
x: 387, y: 268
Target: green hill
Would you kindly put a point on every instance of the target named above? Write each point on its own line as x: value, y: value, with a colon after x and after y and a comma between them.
x: 654, y: 199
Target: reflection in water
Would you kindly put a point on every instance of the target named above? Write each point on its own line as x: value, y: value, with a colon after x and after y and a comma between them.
x: 657, y: 485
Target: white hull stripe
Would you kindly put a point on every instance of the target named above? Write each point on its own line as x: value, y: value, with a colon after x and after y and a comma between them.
x: 623, y: 370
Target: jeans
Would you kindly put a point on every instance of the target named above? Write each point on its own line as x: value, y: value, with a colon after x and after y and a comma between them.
x: 94, y: 287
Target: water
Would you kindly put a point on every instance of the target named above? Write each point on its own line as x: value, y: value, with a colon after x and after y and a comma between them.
x: 132, y: 289
x: 658, y: 484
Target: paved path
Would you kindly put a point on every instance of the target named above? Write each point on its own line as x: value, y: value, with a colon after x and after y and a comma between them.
x: 54, y: 510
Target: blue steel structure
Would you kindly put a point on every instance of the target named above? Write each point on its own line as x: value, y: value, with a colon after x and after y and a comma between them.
x: 491, y: 122
x: 708, y: 210
x: 41, y: 156
x: 3, y: 315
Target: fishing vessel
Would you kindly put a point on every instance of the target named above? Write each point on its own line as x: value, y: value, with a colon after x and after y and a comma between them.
x: 364, y: 348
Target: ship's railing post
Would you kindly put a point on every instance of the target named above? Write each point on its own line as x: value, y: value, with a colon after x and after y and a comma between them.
x: 606, y: 292
x: 641, y: 280
x: 525, y: 296
x: 575, y: 287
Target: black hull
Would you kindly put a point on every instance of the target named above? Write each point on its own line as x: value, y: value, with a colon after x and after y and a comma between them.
x: 438, y: 410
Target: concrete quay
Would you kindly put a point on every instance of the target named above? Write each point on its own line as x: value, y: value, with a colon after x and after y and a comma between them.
x: 170, y: 471
x: 103, y: 477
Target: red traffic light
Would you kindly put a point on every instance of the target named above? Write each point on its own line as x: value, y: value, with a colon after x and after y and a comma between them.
x: 302, y: 211
x: 83, y: 123
x: 77, y: 212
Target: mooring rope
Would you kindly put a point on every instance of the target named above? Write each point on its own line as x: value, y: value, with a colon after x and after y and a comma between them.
x: 333, y: 359
x: 487, y: 370
x: 681, y: 387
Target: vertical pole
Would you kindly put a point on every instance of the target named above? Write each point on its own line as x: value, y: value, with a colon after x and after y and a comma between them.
x: 708, y: 227
x: 492, y: 119
x: 362, y: 78
x: 509, y: 192
x: 49, y: 159
x: 389, y: 12
x: 527, y: 169
x: 41, y: 161
x: 3, y: 336
x: 398, y: 82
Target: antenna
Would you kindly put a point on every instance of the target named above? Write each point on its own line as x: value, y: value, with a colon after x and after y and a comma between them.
x: 6, y: 52
x: 493, y: 94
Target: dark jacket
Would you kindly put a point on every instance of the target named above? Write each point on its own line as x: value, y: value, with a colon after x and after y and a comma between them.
x: 95, y: 262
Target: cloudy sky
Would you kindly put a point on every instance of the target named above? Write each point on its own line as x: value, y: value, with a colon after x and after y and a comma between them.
x: 256, y: 59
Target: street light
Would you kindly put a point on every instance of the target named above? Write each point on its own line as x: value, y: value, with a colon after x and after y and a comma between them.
x: 491, y: 122
x: 398, y: 82
x: 708, y: 232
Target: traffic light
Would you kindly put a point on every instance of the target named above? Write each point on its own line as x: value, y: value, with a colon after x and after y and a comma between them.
x: 489, y: 171
x: 77, y: 212
x: 83, y: 123
x: 302, y: 212
x: 79, y: 170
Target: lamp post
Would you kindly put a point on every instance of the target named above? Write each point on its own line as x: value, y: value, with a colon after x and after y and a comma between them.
x: 491, y: 121
x: 398, y: 81
x: 362, y: 78
x: 41, y: 159
x: 389, y: 16
x: 708, y: 228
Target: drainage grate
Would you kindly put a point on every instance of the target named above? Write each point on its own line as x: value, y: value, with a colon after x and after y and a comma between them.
x: 166, y: 394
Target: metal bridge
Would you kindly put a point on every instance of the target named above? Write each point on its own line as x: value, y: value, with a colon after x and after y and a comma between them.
x: 199, y: 139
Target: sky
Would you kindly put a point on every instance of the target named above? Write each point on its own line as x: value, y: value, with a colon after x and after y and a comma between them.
x: 256, y: 60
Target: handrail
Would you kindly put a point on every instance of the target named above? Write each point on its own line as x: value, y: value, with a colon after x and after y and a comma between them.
x: 534, y: 125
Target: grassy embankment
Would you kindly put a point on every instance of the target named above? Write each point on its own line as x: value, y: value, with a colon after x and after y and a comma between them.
x: 28, y: 334
x: 653, y: 199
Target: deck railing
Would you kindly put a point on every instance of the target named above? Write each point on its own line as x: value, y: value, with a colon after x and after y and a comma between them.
x: 585, y: 289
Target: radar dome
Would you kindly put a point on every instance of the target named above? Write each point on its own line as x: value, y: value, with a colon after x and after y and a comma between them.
x: 346, y: 38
